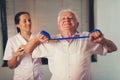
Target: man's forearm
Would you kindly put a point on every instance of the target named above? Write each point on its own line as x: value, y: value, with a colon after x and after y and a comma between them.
x: 109, y: 45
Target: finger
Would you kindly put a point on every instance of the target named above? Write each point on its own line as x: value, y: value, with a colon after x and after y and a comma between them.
x: 96, y: 35
x: 46, y: 40
x: 21, y: 48
x: 41, y: 36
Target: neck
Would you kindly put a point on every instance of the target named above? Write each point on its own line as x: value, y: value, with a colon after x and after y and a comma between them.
x: 67, y: 34
x: 26, y: 35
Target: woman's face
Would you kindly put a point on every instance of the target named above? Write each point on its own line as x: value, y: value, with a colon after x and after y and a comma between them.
x: 25, y: 23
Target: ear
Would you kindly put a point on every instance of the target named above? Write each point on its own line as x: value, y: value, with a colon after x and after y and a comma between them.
x: 18, y: 26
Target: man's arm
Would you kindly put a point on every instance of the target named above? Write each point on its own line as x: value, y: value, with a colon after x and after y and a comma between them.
x: 109, y: 45
x: 98, y: 37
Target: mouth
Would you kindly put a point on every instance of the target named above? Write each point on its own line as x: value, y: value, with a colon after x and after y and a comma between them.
x: 67, y: 24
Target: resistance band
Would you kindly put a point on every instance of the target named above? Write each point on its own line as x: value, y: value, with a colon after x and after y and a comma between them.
x: 75, y: 37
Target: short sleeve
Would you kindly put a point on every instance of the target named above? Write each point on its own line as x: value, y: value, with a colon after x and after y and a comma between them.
x: 8, y: 51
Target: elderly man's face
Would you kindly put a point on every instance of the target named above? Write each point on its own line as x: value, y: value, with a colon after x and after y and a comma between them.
x: 67, y: 22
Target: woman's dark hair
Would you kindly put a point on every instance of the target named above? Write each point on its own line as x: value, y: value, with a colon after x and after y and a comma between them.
x: 17, y: 18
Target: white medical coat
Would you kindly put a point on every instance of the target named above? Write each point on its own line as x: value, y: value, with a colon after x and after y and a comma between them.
x: 27, y: 67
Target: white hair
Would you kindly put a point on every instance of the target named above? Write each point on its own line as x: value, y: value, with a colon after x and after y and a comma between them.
x: 67, y: 10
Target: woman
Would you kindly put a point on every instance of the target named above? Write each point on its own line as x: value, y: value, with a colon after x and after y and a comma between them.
x: 25, y: 67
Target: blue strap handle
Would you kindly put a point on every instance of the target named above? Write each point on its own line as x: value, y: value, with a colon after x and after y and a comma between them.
x: 75, y: 37
x: 45, y: 34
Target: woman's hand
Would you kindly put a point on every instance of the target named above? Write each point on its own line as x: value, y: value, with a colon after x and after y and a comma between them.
x: 20, y: 51
x: 42, y: 38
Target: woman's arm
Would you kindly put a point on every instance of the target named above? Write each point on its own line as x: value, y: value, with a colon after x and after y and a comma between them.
x: 12, y: 63
x: 32, y: 44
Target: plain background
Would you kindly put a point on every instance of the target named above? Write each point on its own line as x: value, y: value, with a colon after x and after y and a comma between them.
x: 44, y: 16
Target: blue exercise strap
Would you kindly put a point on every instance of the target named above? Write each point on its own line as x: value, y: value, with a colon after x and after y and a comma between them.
x: 75, y: 37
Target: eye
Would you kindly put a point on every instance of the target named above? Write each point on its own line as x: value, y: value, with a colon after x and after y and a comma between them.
x: 29, y: 20
x: 63, y: 18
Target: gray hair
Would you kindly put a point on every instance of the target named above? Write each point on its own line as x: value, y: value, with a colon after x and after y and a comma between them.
x: 68, y: 10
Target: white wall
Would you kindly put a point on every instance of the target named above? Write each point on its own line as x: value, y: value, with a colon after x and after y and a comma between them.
x: 107, y: 18
x: 44, y: 13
